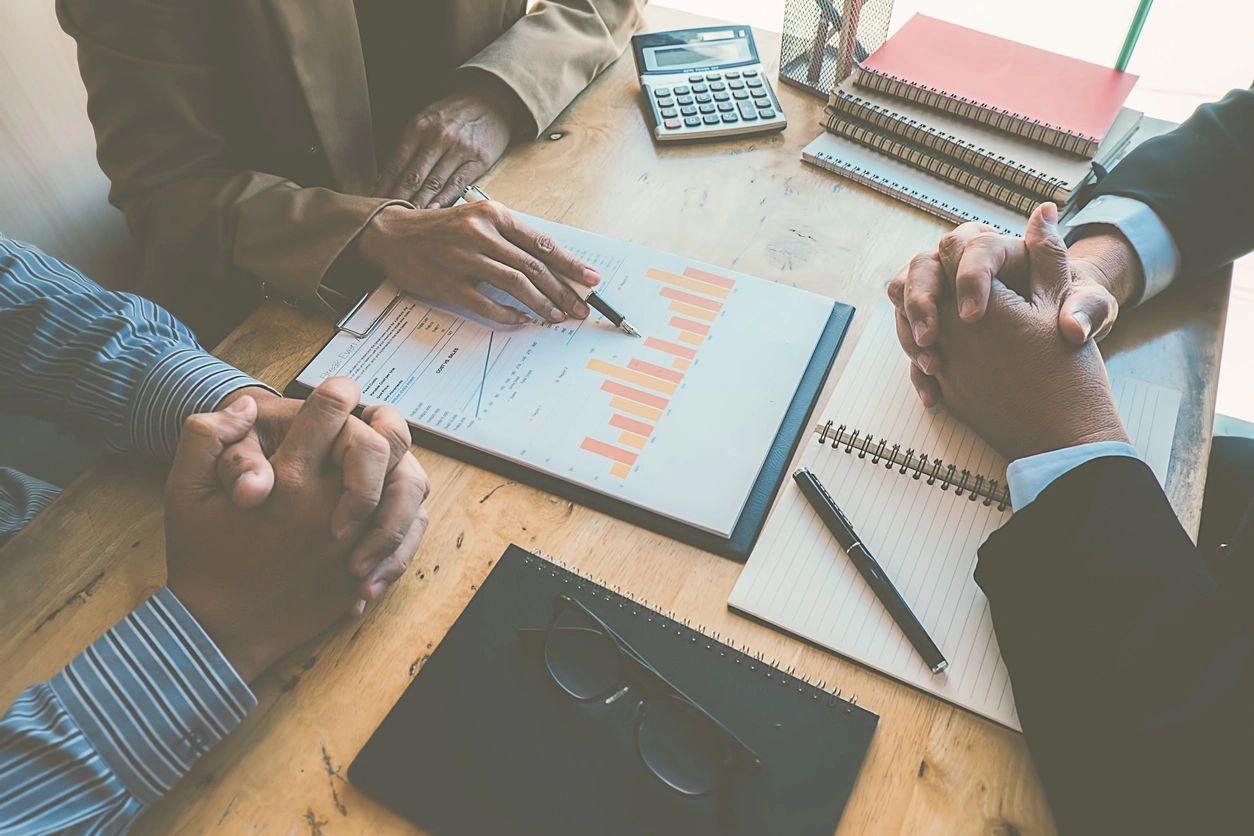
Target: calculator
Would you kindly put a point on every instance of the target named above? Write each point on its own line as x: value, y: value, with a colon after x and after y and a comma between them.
x: 705, y: 83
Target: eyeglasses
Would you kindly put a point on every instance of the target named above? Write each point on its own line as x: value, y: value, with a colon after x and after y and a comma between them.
x: 679, y: 742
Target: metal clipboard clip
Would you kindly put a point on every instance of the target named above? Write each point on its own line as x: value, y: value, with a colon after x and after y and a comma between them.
x: 370, y: 310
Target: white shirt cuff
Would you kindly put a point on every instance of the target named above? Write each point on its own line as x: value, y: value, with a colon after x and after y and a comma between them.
x: 1145, y: 231
x: 1027, y: 478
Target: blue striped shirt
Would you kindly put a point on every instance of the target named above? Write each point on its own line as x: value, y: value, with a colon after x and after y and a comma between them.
x: 87, y: 751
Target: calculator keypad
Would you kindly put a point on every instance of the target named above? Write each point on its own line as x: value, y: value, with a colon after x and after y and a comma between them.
x: 715, y: 104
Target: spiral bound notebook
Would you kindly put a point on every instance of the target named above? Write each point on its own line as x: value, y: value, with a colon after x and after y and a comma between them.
x: 1040, y: 95
x: 903, y: 182
x: 923, y: 491
x: 483, y: 740
x: 968, y: 154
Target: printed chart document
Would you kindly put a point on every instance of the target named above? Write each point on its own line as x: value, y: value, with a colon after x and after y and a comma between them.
x: 678, y: 422
x: 924, y: 531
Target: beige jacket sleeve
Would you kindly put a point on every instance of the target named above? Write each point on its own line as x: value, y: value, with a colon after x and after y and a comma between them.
x: 154, y: 102
x: 550, y: 54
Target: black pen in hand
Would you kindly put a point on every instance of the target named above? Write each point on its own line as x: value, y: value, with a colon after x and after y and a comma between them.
x: 474, y: 194
x: 870, y: 569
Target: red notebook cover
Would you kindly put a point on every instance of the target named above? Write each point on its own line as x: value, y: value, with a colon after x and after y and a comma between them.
x: 993, y: 73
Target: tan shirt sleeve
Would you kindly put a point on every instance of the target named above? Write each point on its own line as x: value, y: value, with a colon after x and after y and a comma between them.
x: 153, y: 98
x: 550, y: 54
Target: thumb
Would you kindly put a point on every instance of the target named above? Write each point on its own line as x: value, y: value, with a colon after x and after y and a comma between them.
x: 1048, y: 270
x: 1088, y: 312
x: 204, y: 438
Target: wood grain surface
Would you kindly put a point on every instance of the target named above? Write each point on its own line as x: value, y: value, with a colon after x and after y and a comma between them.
x: 747, y: 204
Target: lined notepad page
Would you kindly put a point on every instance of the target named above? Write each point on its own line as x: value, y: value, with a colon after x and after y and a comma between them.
x: 926, y: 538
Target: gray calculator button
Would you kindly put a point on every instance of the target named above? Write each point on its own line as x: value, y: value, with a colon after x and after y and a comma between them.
x: 750, y: 73
x: 712, y: 76
x: 692, y: 121
x: 718, y: 85
x: 726, y: 107
x: 754, y: 82
x: 669, y: 113
x: 707, y: 108
x: 767, y: 114
x: 662, y: 91
x: 694, y: 78
x: 729, y: 117
x: 704, y: 98
x: 721, y: 97
x: 684, y: 100
x: 681, y: 91
x: 736, y: 85
x: 740, y: 94
x: 711, y: 119
x: 747, y: 112
x: 758, y: 94
x: 700, y: 88
x: 732, y: 74
x: 688, y: 111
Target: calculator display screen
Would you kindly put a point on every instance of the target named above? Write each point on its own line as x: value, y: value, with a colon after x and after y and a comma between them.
x: 707, y: 54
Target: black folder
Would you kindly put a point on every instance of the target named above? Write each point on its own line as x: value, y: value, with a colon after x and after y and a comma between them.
x: 752, y: 516
x: 484, y: 741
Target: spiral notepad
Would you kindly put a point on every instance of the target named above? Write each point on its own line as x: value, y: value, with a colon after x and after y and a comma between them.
x: 1039, y: 95
x: 923, y: 491
x: 483, y: 721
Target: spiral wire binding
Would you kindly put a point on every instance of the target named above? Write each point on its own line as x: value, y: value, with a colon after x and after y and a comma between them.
x: 1041, y: 185
x: 974, y: 486
x: 1003, y: 120
x: 900, y: 191
x: 742, y: 655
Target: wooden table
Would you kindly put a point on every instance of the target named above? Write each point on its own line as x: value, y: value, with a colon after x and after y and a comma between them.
x: 746, y: 204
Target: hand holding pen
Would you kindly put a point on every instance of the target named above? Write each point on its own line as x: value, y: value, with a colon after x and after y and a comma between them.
x: 583, y: 289
x: 446, y: 254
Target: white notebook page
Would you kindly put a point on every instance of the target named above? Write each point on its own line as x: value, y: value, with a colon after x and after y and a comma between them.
x: 926, y: 538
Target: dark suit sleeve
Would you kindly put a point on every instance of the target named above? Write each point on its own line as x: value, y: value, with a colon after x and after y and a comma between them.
x: 1131, y: 668
x: 1199, y: 179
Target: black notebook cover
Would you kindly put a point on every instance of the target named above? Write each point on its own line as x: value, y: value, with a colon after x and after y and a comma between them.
x: 757, y: 506
x: 484, y: 741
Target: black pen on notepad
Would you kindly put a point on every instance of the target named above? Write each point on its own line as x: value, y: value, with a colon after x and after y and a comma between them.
x: 474, y: 194
x: 870, y: 569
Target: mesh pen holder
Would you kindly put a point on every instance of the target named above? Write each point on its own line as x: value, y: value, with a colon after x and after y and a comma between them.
x: 823, y: 39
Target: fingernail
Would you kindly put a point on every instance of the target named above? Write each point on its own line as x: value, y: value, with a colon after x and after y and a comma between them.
x: 1050, y: 213
x: 359, y: 608
x: 555, y: 315
x: 581, y: 310
x: 591, y: 276
x: 968, y: 308
x: 927, y: 362
x: 238, y: 406
x: 376, y: 589
x: 919, y: 332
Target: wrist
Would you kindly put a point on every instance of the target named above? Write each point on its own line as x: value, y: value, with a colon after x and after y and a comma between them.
x: 242, y: 648
x: 372, y: 243
x: 257, y: 393
x: 1106, y: 257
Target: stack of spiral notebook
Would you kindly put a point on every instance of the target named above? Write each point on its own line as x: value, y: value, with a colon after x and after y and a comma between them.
x: 971, y: 127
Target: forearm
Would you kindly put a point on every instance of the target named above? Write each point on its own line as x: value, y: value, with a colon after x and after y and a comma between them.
x: 577, y: 40
x: 1095, y: 591
x: 119, y: 726
x: 114, y: 368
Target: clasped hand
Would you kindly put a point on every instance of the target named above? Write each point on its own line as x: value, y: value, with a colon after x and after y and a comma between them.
x: 283, y: 516
x: 1012, y: 367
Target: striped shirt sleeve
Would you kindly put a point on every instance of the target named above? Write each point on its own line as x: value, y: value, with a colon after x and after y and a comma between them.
x: 110, y: 734
x: 114, y: 368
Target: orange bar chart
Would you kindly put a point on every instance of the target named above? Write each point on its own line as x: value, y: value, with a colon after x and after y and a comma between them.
x: 641, y: 390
